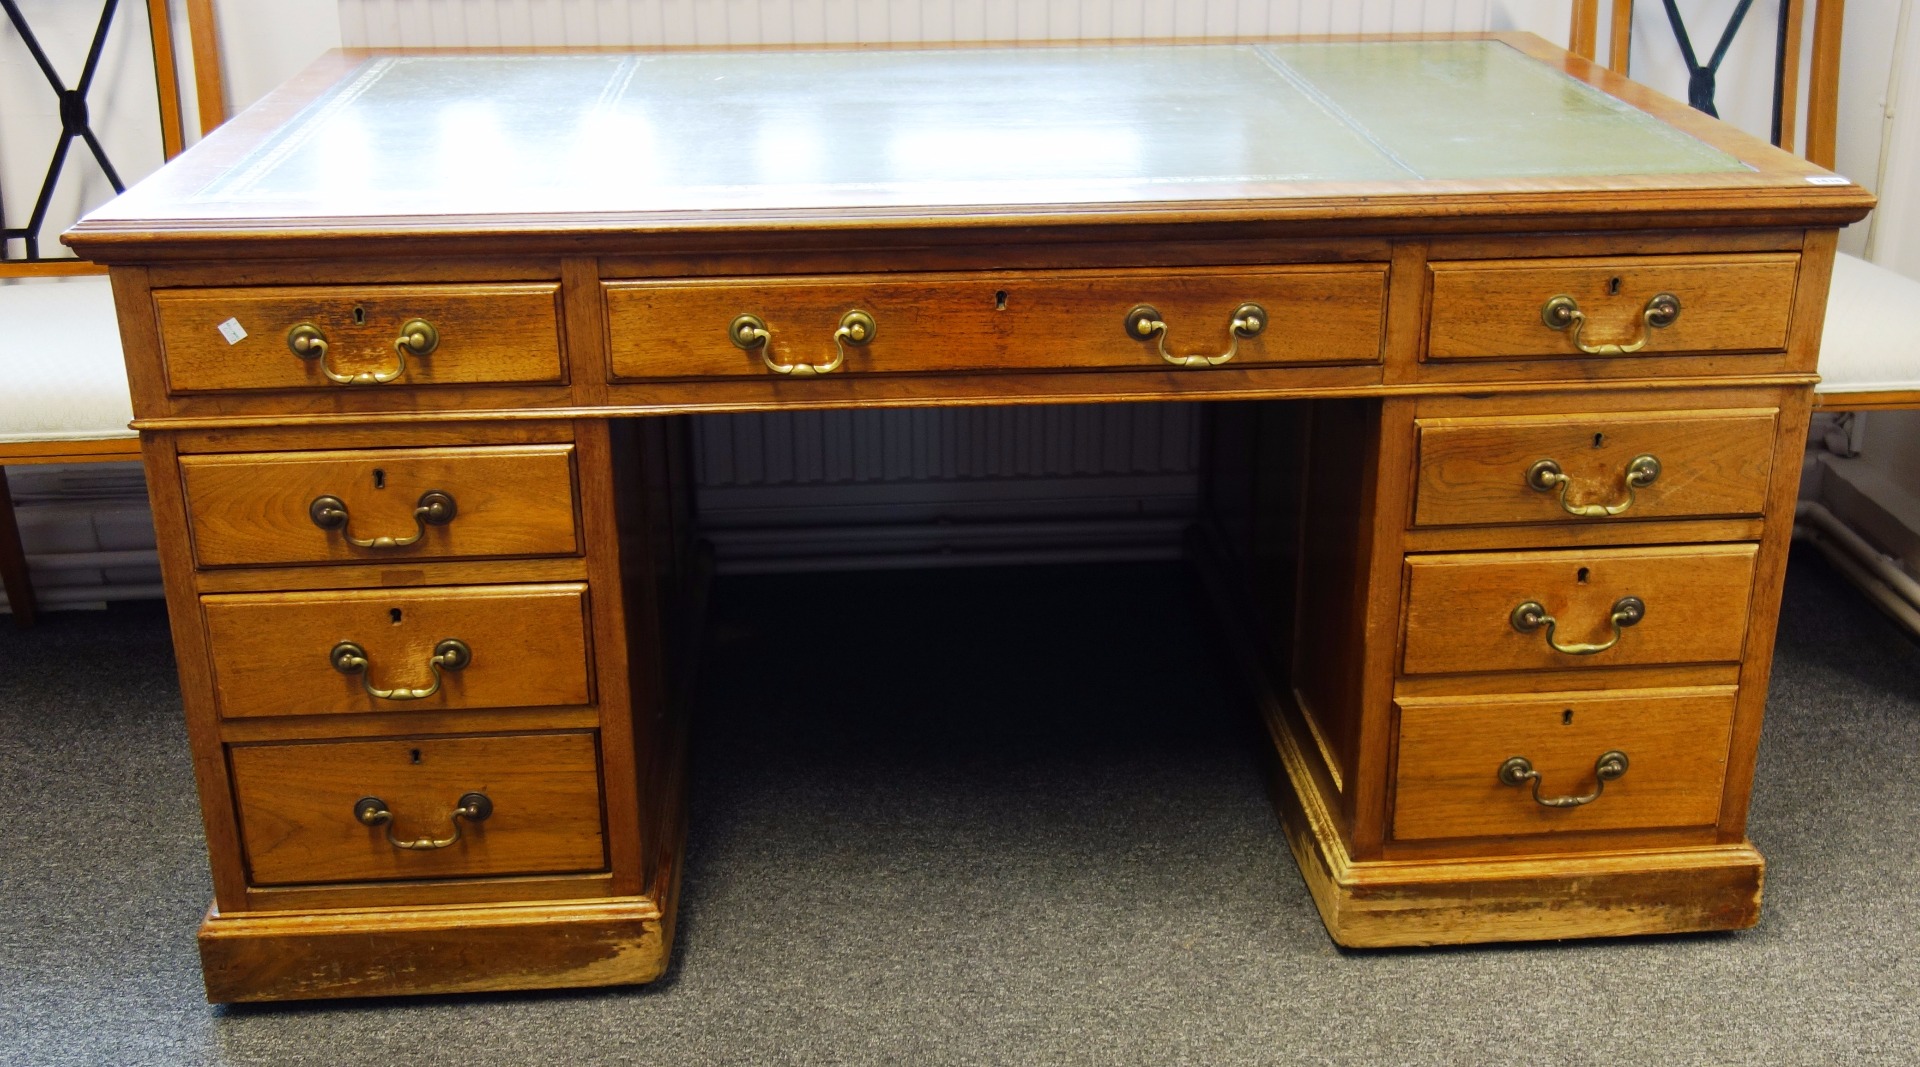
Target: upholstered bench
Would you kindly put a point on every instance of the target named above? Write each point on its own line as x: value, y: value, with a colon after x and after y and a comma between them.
x: 63, y: 395
x: 1869, y: 357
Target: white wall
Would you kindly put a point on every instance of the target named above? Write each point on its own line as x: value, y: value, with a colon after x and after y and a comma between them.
x: 265, y: 42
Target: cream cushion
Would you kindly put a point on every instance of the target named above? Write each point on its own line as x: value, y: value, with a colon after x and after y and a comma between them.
x: 61, y: 375
x: 1868, y: 344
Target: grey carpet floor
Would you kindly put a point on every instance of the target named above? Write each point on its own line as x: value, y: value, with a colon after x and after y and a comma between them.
x: 981, y: 817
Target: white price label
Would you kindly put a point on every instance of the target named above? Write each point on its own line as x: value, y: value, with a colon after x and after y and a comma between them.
x: 233, y: 331
x: 1827, y: 179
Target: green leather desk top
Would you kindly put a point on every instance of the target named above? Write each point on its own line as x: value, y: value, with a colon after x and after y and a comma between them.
x: 690, y: 140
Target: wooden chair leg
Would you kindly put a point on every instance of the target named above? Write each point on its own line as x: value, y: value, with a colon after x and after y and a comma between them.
x: 13, y: 561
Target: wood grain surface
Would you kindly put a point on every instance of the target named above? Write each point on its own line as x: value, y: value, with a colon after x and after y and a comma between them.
x: 296, y: 805
x: 1327, y: 314
x: 268, y: 957
x: 1491, y: 310
x: 1458, y: 607
x: 255, y: 508
x: 1474, y: 471
x: 271, y: 651
x: 1450, y: 750
x: 488, y: 333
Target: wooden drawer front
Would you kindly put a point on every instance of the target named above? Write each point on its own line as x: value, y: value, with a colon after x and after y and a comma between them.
x: 1447, y: 781
x: 1483, y: 470
x: 1460, y: 607
x: 486, y: 334
x: 259, y: 508
x: 274, y: 653
x: 297, y: 807
x: 1035, y: 321
x: 1492, y: 310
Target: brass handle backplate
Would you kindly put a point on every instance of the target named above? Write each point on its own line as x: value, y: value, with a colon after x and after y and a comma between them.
x: 473, y: 807
x: 1531, y: 615
x: 417, y: 338
x: 1518, y: 770
x: 1563, y: 313
x: 1546, y: 475
x: 451, y: 654
x: 434, y: 508
x: 750, y: 332
x: 1144, y: 322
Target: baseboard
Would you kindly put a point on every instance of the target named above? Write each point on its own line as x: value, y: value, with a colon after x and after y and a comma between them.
x: 465, y: 949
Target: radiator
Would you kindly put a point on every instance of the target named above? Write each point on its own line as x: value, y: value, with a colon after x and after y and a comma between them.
x: 88, y: 533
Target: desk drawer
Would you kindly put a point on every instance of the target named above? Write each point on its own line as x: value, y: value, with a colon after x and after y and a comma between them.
x: 1448, y: 775
x: 337, y: 652
x: 373, y: 505
x: 1593, y: 467
x: 478, y: 334
x: 1463, y: 609
x: 1043, y: 320
x: 299, y: 808
x: 1498, y: 309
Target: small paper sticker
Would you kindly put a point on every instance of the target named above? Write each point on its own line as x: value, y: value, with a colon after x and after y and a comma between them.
x: 1827, y: 179
x: 232, y: 331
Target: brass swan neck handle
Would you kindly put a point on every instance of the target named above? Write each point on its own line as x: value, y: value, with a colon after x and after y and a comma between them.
x: 472, y: 807
x: 1144, y: 322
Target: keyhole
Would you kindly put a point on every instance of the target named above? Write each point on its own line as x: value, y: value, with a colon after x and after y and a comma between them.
x: 1613, y: 287
x: 379, y: 478
x: 1580, y: 576
x: 1000, y: 300
x: 359, y: 316
x: 394, y: 614
x: 415, y: 753
x: 1566, y: 717
x: 1599, y: 439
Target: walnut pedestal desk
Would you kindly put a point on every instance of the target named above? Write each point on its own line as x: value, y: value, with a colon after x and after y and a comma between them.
x: 1508, y: 363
